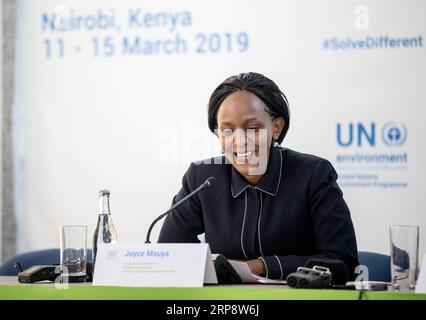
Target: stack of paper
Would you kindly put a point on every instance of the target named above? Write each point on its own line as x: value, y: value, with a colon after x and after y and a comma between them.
x: 246, y: 276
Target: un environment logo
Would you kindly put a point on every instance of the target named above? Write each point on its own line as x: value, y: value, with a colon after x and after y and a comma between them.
x: 394, y: 134
x: 391, y: 134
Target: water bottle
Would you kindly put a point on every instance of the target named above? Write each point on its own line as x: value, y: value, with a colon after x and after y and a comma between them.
x: 105, y: 231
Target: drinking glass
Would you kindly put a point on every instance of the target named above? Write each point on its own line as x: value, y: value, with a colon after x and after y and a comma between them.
x: 404, y: 247
x: 73, y: 253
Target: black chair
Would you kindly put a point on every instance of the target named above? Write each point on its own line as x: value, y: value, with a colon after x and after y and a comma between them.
x: 39, y: 257
x: 379, y: 265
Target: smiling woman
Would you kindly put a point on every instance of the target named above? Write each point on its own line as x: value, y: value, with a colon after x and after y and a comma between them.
x: 243, y: 115
x: 272, y: 207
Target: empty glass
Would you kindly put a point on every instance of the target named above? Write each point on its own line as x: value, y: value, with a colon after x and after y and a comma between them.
x: 73, y: 253
x: 404, y: 247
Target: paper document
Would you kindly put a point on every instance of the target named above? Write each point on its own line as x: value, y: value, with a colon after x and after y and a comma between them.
x: 421, y: 282
x: 246, y: 276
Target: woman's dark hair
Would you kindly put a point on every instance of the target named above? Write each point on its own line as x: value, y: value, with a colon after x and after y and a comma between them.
x: 264, y: 88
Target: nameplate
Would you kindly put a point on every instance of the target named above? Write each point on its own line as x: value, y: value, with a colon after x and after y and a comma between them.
x: 154, y: 265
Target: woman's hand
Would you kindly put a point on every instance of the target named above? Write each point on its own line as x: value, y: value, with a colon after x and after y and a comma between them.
x: 257, y: 266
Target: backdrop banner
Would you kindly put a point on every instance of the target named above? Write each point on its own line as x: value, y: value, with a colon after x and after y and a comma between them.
x: 113, y: 94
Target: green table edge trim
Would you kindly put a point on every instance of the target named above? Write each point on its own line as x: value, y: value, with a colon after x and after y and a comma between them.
x: 39, y: 292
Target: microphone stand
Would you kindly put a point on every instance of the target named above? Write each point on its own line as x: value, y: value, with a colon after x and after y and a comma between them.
x: 207, y: 183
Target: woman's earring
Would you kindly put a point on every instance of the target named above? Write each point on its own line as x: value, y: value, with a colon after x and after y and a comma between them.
x: 275, y: 142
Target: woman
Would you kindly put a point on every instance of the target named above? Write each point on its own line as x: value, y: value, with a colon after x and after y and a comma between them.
x: 273, y: 207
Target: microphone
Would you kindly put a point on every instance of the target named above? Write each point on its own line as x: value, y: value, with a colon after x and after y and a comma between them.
x: 208, y: 183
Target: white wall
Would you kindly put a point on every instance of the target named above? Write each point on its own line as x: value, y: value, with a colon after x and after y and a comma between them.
x: 134, y: 123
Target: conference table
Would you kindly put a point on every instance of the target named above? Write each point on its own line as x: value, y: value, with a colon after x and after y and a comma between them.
x: 11, y: 289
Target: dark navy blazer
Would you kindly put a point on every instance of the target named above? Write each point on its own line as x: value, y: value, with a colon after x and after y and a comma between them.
x: 294, y: 213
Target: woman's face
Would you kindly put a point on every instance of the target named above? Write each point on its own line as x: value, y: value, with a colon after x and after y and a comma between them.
x: 245, y: 130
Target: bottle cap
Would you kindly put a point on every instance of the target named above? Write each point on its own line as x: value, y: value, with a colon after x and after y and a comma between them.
x: 104, y: 192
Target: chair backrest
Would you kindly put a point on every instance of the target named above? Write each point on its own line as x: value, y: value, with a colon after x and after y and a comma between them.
x: 39, y: 257
x: 379, y: 265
